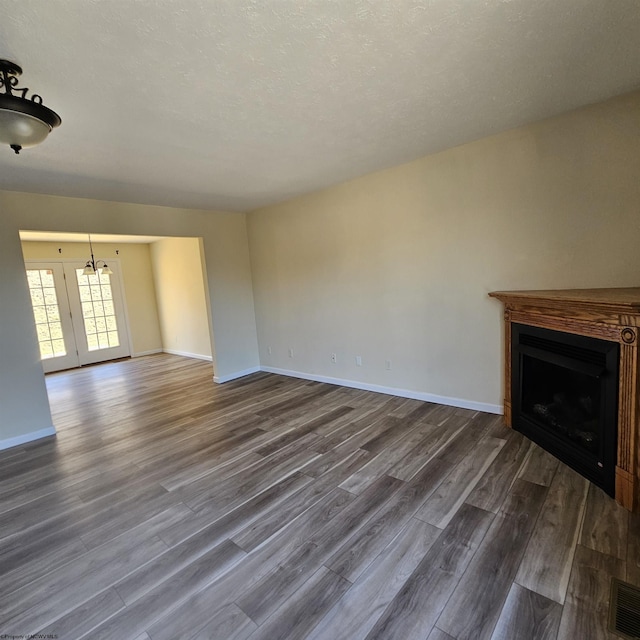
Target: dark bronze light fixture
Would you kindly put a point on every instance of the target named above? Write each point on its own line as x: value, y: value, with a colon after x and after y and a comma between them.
x: 92, y: 266
x: 24, y: 122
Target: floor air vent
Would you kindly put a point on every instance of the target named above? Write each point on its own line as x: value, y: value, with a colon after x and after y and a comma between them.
x: 624, y: 610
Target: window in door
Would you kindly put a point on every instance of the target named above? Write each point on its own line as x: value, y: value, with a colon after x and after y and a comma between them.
x: 98, y: 311
x: 46, y: 313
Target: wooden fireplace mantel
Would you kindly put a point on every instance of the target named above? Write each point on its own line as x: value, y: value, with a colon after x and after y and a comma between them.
x: 608, y: 314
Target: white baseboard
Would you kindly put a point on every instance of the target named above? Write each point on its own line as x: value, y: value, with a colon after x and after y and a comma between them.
x: 235, y: 375
x: 139, y: 354
x: 186, y: 354
x: 16, y: 441
x: 393, y: 391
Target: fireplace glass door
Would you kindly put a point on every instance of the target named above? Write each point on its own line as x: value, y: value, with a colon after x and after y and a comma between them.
x: 565, y: 398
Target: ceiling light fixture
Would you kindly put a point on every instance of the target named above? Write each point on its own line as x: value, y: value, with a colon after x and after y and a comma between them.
x: 92, y: 266
x: 23, y: 122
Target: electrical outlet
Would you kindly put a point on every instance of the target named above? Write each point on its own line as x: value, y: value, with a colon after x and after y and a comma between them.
x: 358, y: 361
x: 269, y: 350
x: 291, y: 352
x: 334, y: 358
x: 387, y: 365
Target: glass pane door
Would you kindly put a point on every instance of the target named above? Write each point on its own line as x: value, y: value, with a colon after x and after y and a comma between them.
x: 97, y: 307
x: 79, y: 319
x: 98, y: 311
x: 52, y: 316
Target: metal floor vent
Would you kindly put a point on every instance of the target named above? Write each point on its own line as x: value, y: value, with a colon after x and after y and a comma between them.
x: 624, y: 609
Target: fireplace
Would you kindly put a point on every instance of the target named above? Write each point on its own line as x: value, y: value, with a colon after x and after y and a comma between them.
x: 580, y: 348
x: 564, y: 397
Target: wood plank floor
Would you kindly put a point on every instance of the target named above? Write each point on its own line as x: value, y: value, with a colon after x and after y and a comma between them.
x: 169, y: 507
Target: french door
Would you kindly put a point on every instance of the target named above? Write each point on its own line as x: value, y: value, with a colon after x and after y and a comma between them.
x: 79, y: 319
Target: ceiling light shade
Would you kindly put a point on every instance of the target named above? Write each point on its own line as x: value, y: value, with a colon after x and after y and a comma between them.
x: 24, y: 122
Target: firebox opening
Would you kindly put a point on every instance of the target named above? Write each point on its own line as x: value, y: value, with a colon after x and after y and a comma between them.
x: 565, y: 390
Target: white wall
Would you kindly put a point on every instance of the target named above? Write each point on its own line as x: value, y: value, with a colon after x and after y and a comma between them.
x: 24, y: 408
x: 180, y: 290
x: 397, y: 265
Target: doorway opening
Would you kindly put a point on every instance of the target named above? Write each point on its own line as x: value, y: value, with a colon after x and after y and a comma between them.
x: 156, y: 300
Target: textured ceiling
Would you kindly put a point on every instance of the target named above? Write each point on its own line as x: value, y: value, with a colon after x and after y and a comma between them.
x: 234, y: 104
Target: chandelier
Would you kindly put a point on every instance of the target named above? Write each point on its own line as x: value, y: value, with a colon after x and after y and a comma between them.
x: 92, y: 266
x: 24, y: 122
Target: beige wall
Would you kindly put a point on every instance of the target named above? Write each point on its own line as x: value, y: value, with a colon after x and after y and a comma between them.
x: 137, y: 276
x: 182, y: 306
x: 397, y: 265
x: 392, y: 266
x: 24, y: 408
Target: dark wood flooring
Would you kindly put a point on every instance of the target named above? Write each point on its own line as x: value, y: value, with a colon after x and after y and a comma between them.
x: 169, y: 508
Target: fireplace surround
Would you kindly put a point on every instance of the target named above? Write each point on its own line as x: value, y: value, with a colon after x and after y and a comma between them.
x: 611, y: 317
